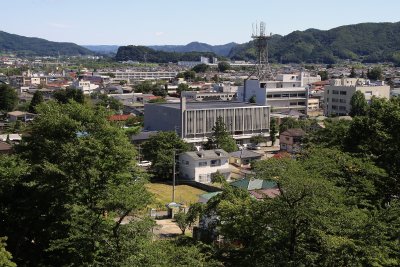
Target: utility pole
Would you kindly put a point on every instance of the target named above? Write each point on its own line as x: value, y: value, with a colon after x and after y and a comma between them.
x: 173, y: 179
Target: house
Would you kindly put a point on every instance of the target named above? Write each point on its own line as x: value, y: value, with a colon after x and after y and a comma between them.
x: 244, y: 157
x: 290, y: 140
x: 20, y: 116
x: 199, y: 166
x: 5, y: 148
x: 258, y: 188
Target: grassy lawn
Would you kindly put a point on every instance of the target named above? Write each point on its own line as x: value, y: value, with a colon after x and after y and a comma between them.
x: 183, y: 193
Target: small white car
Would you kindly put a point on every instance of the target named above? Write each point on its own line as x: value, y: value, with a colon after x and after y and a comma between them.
x: 144, y: 163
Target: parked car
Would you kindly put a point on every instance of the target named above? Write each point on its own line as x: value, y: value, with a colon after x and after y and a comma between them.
x: 144, y: 163
x: 254, y: 147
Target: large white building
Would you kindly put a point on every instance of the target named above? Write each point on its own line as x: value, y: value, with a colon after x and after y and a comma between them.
x: 286, y: 92
x: 338, y: 94
x: 86, y: 86
x: 135, y: 75
x: 200, y: 166
x: 194, y: 121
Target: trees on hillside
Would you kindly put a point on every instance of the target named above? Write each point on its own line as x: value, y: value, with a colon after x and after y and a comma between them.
x: 200, y: 68
x: 8, y: 98
x: 220, y: 138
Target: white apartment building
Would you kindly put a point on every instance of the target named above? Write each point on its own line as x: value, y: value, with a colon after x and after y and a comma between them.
x: 199, y: 166
x: 338, y: 94
x: 286, y: 92
x: 134, y: 75
x: 86, y: 86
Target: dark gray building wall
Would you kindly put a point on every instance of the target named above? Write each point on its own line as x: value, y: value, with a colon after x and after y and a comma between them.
x: 161, y: 118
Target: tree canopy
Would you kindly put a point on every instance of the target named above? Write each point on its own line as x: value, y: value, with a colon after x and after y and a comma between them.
x: 8, y: 98
x: 221, y: 138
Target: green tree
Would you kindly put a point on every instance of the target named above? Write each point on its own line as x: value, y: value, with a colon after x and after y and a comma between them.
x: 8, y: 98
x: 200, y: 68
x: 159, y: 90
x: 63, y: 96
x: 257, y: 139
x: 358, y: 104
x: 109, y: 103
x: 253, y: 99
x: 352, y: 73
x: 85, y: 184
x: 273, y: 130
x: 5, y: 256
x: 159, y: 149
x: 375, y: 73
x: 36, y: 100
x: 324, y: 75
x: 223, y: 66
x: 220, y: 138
x: 182, y: 87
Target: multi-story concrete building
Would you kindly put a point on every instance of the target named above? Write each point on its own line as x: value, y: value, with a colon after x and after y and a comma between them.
x: 200, y: 166
x: 207, y: 96
x: 194, y: 121
x: 287, y: 91
x: 133, y: 75
x: 338, y: 94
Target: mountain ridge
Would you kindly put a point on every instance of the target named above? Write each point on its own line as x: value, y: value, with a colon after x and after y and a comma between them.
x: 39, y: 47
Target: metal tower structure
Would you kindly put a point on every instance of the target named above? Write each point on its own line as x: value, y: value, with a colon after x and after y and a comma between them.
x: 263, y: 69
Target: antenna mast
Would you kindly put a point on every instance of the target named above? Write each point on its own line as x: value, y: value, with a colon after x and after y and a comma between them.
x: 263, y: 69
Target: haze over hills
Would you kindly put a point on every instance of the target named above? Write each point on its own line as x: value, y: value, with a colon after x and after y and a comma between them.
x: 39, y: 47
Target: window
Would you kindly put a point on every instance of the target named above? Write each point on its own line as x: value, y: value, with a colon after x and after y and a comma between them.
x: 277, y: 95
x: 202, y: 163
x: 342, y: 100
x: 334, y: 107
x: 335, y: 100
x: 204, y: 178
x: 335, y: 92
x: 293, y: 103
x: 342, y: 108
x: 285, y: 95
x: 301, y: 95
x: 343, y: 92
x: 293, y: 95
x: 301, y: 103
x: 215, y: 162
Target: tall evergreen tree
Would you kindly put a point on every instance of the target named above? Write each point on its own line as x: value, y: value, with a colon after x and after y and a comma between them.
x: 8, y: 98
x: 221, y: 138
x: 358, y: 104
x: 36, y: 100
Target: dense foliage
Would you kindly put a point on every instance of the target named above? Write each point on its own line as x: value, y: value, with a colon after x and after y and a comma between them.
x: 8, y: 98
x: 220, y: 138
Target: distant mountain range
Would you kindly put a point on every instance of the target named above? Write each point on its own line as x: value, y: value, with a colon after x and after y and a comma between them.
x: 38, y: 47
x: 366, y: 42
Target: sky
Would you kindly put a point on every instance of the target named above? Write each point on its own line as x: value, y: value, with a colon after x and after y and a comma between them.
x: 178, y: 22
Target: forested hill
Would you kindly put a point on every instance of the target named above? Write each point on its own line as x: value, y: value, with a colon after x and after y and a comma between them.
x: 145, y: 54
x: 38, y: 47
x: 221, y: 50
x: 367, y: 42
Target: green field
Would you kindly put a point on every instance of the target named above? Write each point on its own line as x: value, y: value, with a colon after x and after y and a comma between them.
x: 183, y: 193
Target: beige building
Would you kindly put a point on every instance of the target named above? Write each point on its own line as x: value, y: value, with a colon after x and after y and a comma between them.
x: 338, y: 94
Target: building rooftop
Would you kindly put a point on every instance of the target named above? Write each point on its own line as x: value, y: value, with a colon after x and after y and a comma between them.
x: 207, y: 154
x: 243, y: 154
x: 294, y: 132
x: 209, y: 105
